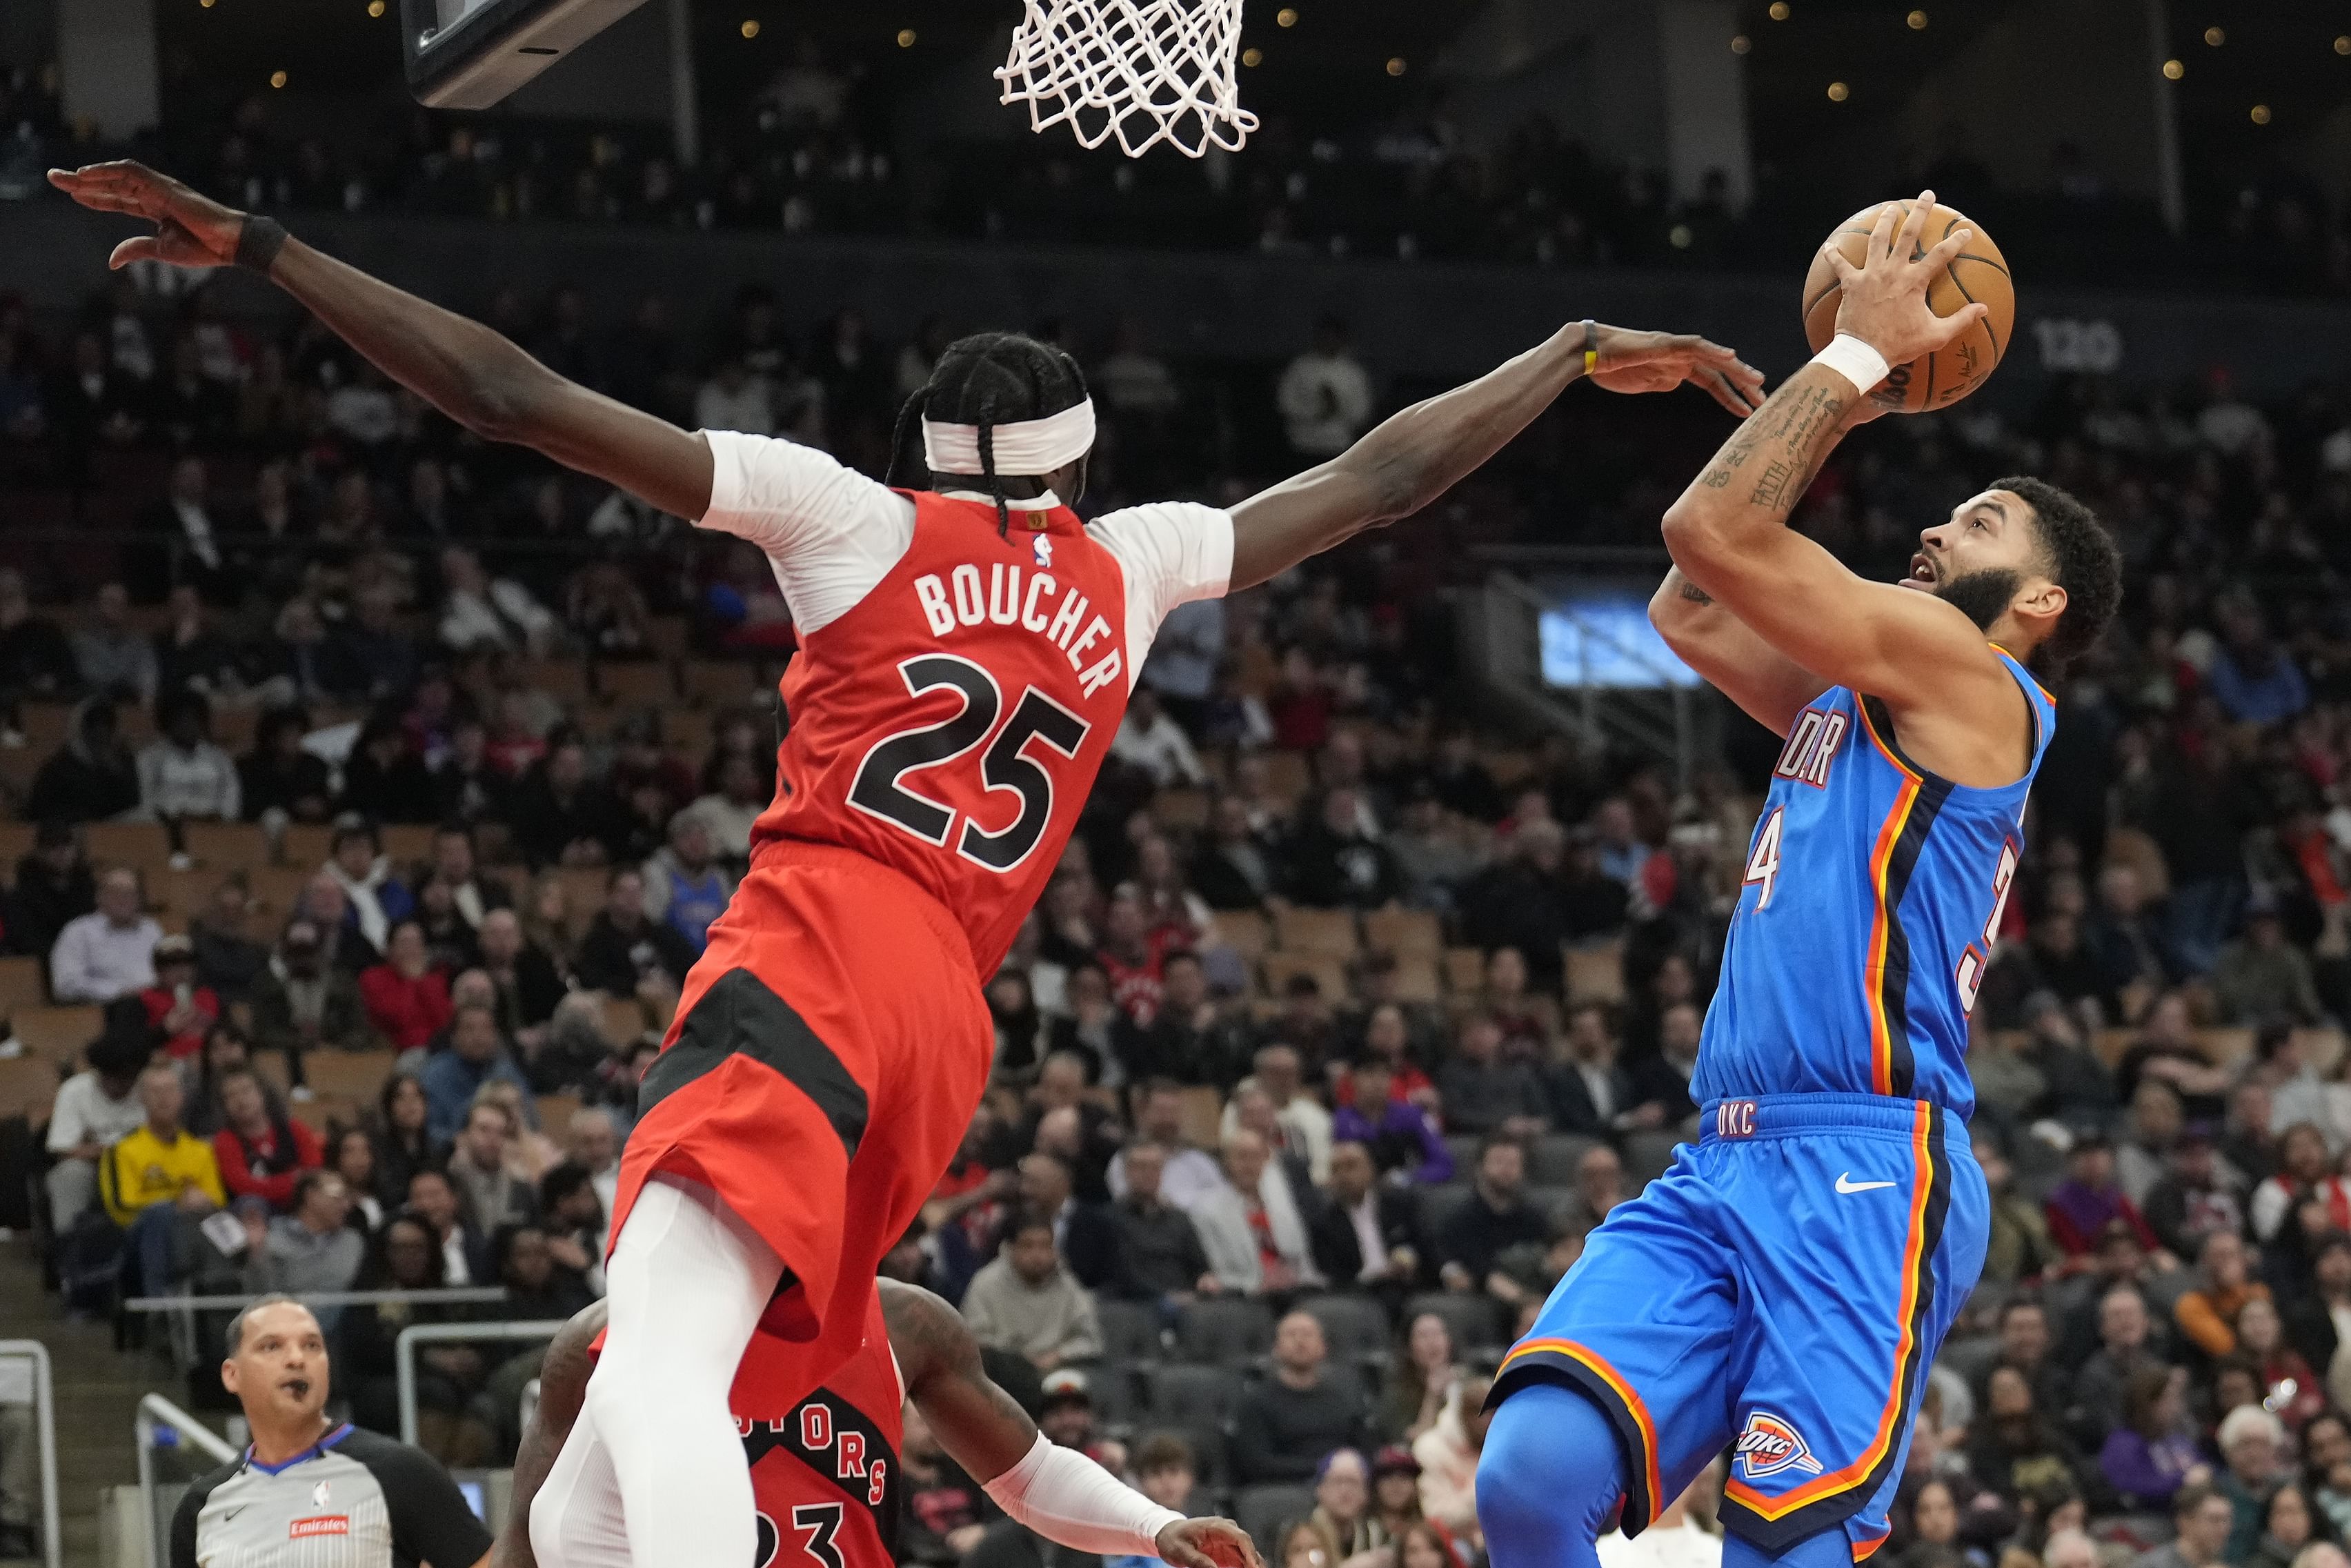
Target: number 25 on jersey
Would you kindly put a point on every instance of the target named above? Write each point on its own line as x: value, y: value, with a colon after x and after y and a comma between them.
x: 1010, y: 764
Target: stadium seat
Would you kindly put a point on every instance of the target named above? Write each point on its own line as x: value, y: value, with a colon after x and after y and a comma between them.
x: 59, y: 1032
x: 1329, y: 932
x: 555, y: 1114
x: 22, y: 985
x: 224, y: 847
x: 1194, y: 1397
x: 1465, y: 970
x: 1329, y: 972
x: 583, y: 891
x: 1224, y: 1330
x: 139, y: 845
x: 1180, y: 810
x: 1263, y: 1510
x: 1129, y: 1332
x: 1554, y: 1156
x: 667, y: 635
x: 1417, y: 980
x: 1546, y: 1199
x: 27, y: 1086
x: 275, y: 890
x: 1647, y: 1155
x: 1594, y: 974
x: 1352, y: 1326
x: 711, y: 684
x: 1474, y: 1321
x: 304, y: 845
x: 641, y: 684
x: 565, y: 680
x: 624, y: 1020
x: 1245, y: 931
x: 357, y: 1074
x: 408, y: 844
x: 1463, y: 1147
x: 1111, y: 1385
x: 1407, y: 932
x: 1288, y: 777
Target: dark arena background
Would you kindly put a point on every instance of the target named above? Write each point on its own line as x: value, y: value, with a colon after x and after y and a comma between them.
x: 337, y: 742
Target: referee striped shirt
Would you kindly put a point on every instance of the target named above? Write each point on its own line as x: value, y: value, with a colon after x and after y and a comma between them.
x: 353, y: 1499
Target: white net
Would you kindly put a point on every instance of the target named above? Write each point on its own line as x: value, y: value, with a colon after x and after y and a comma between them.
x: 1145, y: 71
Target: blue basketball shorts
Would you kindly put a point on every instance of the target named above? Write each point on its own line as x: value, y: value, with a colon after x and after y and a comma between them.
x: 1780, y: 1292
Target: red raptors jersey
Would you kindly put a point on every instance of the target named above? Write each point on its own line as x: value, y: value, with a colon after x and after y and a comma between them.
x: 824, y: 1476
x: 950, y: 722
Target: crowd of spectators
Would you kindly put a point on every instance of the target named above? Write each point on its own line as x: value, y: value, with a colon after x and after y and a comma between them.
x: 1341, y: 1025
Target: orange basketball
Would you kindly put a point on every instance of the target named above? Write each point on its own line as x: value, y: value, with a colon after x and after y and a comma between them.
x: 1978, y: 273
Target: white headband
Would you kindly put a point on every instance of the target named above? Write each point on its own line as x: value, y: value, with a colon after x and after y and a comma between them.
x: 1028, y: 447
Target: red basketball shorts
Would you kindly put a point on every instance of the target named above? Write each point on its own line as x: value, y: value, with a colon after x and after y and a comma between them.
x: 830, y: 1047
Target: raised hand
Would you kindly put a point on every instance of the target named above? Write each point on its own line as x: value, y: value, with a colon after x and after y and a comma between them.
x: 1635, y: 361
x: 1209, y: 1543
x: 1883, y: 301
x: 190, y: 230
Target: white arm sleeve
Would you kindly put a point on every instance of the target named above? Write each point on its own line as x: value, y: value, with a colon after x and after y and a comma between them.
x: 829, y: 533
x: 1073, y: 1502
x: 1172, y: 552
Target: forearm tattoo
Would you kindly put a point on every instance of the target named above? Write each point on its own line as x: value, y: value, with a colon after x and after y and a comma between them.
x: 1792, y: 434
x: 1694, y: 593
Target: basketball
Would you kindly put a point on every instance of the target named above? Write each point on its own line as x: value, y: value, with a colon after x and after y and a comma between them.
x: 1978, y: 273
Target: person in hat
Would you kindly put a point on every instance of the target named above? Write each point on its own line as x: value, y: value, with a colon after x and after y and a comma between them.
x: 2200, y: 1192
x: 96, y: 1107
x: 2260, y: 975
x: 1396, y: 1489
x: 180, y: 1011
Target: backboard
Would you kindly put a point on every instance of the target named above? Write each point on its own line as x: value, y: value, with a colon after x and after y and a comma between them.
x: 470, y: 54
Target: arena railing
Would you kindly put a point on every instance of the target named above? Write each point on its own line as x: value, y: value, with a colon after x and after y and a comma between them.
x: 182, y: 1310
x: 44, y: 1422
x: 160, y: 1424
x: 404, y: 1353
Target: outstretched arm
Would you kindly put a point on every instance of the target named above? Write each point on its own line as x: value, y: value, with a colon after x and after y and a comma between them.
x: 1061, y: 1494
x: 1413, y: 457
x: 1729, y: 534
x: 1772, y: 687
x: 562, y: 1387
x: 469, y: 373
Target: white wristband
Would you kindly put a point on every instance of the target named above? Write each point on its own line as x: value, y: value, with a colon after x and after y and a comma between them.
x: 1854, y: 360
x: 1073, y: 1502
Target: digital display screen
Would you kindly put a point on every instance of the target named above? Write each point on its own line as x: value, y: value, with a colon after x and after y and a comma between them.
x: 1600, y: 636
x: 449, y: 13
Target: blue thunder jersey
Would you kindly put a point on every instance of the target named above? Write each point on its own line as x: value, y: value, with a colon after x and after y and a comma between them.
x: 1874, y: 892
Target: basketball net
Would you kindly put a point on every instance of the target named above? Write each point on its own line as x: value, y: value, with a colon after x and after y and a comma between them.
x: 1145, y: 71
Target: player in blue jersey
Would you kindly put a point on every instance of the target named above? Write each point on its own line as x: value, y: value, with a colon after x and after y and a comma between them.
x: 1781, y: 1290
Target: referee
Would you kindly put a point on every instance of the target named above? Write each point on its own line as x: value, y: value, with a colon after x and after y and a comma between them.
x: 310, y: 1494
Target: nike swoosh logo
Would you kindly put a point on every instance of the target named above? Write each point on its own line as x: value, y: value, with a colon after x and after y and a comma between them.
x: 1845, y: 1183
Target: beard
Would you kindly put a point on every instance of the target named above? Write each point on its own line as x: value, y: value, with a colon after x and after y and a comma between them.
x: 1982, y: 596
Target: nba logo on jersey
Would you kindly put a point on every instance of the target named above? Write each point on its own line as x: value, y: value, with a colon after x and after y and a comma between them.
x: 1735, y: 1119
x: 320, y: 1493
x: 1043, y: 547
x: 1769, y: 1445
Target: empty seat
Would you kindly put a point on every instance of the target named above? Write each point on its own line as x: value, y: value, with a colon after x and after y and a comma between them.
x: 1193, y: 1396
x: 1325, y: 931
x: 1129, y: 1332
x: 1352, y: 1326
x: 1555, y: 1155
x: 1262, y: 1510
x: 1465, y: 970
x: 408, y: 844
x: 22, y: 985
x: 1417, y: 978
x: 1224, y: 1331
x: 225, y: 848
x: 359, y: 1074
x: 555, y: 1114
x: 142, y: 845
x: 1595, y: 974
x: 565, y: 680
x: 59, y: 1032
x: 304, y: 845
x: 1180, y: 810
x: 624, y: 1020
x: 1245, y: 931
x: 1405, y: 932
x: 1474, y: 1321
x: 1649, y: 1156
x: 649, y: 685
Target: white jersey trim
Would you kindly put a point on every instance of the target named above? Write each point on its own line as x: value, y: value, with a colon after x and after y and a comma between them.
x: 831, y: 534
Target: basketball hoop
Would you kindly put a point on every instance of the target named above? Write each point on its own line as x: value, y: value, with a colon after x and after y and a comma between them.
x: 1145, y: 71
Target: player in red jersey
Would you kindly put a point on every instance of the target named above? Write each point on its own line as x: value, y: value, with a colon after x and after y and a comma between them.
x: 958, y: 681
x: 825, y: 1474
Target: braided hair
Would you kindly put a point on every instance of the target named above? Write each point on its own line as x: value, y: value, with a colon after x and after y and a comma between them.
x: 987, y: 380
